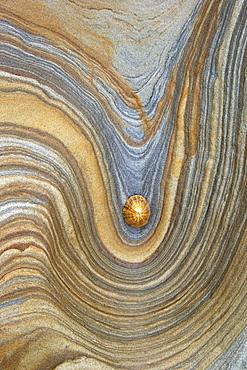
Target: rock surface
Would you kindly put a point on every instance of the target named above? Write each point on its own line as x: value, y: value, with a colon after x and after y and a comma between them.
x: 101, y: 100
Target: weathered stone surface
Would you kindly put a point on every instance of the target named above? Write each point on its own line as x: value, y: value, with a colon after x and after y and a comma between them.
x: 101, y: 100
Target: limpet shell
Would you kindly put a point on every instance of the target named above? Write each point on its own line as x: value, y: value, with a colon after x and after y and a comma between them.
x: 136, y: 211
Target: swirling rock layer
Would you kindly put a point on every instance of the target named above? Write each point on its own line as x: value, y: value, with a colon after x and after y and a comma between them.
x: 100, y: 101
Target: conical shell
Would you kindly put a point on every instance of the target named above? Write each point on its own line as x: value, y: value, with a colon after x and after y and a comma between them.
x: 136, y: 211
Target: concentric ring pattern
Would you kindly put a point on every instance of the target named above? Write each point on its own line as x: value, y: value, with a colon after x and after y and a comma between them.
x: 100, y: 101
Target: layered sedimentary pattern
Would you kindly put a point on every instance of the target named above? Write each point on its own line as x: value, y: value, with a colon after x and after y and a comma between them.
x: 99, y: 102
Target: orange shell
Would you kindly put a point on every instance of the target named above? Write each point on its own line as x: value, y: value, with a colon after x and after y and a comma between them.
x: 136, y: 211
